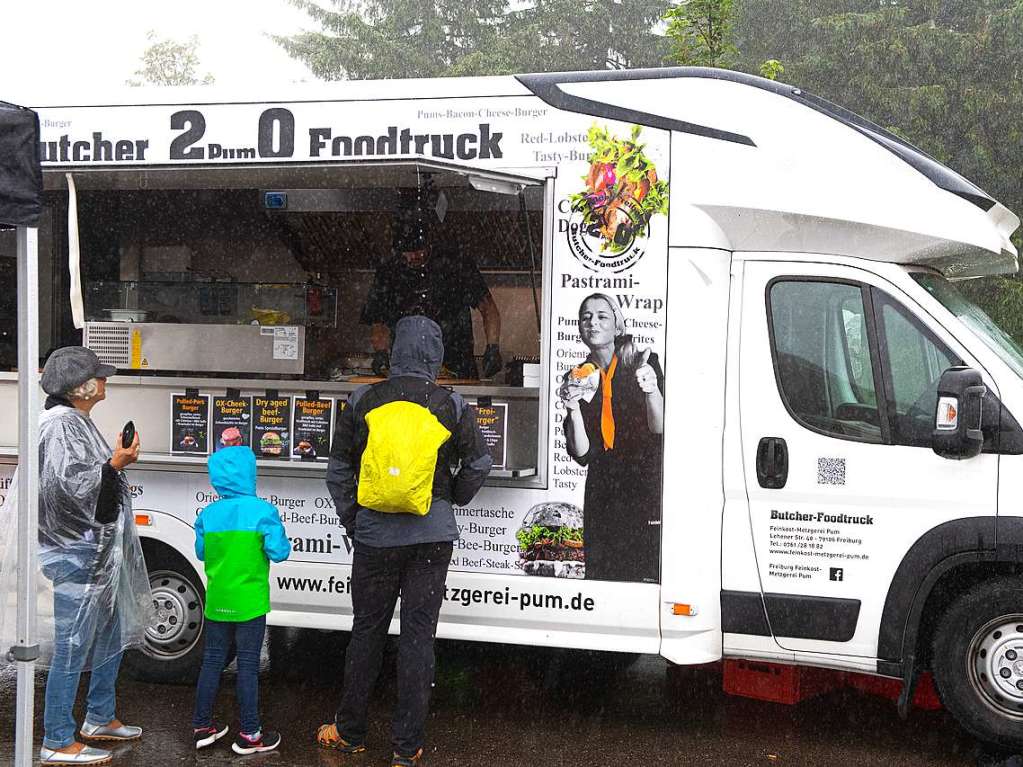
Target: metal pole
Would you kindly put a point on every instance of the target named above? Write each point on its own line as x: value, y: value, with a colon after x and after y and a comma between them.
x: 26, y: 650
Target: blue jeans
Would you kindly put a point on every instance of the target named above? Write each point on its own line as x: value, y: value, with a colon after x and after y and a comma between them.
x: 248, y: 640
x: 68, y: 662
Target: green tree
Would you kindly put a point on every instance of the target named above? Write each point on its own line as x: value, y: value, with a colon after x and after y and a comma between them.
x: 412, y: 38
x: 567, y: 35
x: 943, y: 74
x: 393, y: 38
x: 169, y: 62
x: 701, y: 33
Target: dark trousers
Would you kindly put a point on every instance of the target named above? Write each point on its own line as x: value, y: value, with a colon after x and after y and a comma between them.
x: 248, y: 639
x: 378, y: 575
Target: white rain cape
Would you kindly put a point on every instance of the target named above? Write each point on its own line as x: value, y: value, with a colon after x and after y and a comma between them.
x: 92, y: 588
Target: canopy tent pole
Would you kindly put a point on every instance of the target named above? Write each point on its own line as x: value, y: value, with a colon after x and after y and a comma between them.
x: 21, y: 191
x: 25, y: 652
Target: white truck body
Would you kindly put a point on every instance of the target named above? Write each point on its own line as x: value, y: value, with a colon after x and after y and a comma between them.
x: 787, y: 217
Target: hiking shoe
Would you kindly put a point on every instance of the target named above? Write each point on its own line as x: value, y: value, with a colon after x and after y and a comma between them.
x: 407, y: 761
x: 207, y: 736
x: 328, y: 737
x: 256, y: 744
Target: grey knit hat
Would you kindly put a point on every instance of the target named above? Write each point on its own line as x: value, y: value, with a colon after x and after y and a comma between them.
x: 71, y: 366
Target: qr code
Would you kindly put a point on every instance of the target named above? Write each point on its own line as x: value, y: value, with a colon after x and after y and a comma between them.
x: 830, y: 471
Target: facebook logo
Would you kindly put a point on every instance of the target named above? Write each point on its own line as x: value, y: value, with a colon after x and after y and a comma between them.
x: 837, y: 573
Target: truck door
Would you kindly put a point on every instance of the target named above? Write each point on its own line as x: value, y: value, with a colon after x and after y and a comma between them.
x: 837, y: 385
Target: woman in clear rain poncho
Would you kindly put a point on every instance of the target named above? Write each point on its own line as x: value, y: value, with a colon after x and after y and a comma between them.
x: 90, y: 552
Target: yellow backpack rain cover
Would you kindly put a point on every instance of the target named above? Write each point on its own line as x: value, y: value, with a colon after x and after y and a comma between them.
x: 400, y: 458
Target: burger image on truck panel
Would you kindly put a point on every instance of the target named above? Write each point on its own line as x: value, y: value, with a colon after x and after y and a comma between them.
x: 551, y: 541
x: 742, y: 301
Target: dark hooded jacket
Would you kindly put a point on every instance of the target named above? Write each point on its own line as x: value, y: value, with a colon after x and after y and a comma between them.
x: 463, y: 462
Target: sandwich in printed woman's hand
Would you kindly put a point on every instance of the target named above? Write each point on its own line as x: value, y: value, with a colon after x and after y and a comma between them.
x: 551, y: 541
x: 583, y: 379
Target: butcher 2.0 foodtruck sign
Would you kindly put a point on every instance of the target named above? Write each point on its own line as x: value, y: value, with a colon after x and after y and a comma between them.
x: 509, y: 130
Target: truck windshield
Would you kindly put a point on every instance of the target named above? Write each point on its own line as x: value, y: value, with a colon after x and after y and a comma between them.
x: 974, y: 318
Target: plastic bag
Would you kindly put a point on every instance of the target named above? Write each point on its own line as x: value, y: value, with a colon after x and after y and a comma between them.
x: 93, y: 597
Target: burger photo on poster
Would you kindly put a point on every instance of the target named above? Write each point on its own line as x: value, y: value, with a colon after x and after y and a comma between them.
x: 231, y: 437
x: 551, y: 541
x: 271, y: 443
x: 304, y: 448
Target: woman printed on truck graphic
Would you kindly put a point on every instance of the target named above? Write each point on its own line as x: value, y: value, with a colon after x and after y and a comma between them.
x: 615, y: 417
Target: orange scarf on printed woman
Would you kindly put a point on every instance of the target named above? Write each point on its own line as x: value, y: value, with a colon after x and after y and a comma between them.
x: 607, y: 419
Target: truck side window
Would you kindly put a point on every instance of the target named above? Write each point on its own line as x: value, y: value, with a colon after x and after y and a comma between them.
x: 822, y: 354
x: 914, y: 361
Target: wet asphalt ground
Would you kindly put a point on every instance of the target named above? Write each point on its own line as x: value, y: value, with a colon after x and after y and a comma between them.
x: 501, y: 705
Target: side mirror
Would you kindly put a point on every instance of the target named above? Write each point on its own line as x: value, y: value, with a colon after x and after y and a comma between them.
x: 957, y: 418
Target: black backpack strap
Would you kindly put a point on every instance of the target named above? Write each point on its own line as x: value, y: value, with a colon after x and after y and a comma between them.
x: 436, y: 400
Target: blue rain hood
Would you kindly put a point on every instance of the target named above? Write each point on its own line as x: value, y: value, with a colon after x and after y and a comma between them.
x: 233, y: 471
x: 418, y: 348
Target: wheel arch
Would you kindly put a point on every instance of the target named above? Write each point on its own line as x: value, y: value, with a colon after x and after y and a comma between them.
x: 943, y: 563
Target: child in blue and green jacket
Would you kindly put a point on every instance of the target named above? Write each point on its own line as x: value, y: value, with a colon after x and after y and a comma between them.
x: 237, y: 537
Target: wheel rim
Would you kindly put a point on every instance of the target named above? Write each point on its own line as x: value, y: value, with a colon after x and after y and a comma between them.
x: 996, y: 665
x: 177, y: 622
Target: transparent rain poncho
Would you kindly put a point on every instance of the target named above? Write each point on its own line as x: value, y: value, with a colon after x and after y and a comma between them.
x: 92, y: 588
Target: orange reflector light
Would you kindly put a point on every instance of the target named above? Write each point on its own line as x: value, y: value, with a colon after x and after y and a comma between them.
x: 679, y: 609
x: 143, y: 519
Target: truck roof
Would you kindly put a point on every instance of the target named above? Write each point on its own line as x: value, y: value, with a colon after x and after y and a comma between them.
x: 771, y: 166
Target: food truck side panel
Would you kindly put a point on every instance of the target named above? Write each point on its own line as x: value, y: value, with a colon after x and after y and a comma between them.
x: 493, y: 592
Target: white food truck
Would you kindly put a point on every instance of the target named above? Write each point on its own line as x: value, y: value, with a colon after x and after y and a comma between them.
x: 837, y: 477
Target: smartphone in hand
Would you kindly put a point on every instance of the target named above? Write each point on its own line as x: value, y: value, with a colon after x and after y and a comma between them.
x: 128, y: 434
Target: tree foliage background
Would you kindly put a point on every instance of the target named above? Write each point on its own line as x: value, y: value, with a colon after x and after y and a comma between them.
x: 943, y: 74
x: 170, y: 62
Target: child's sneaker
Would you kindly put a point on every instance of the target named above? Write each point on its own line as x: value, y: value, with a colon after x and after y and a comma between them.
x: 207, y: 736
x: 407, y: 761
x: 256, y: 744
x: 328, y: 737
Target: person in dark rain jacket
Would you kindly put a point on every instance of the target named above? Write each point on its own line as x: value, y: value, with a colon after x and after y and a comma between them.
x: 400, y: 552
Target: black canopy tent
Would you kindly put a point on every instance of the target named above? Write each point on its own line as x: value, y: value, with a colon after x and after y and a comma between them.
x: 21, y: 177
x: 21, y: 188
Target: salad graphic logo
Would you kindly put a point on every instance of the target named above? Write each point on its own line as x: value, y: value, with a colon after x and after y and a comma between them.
x: 610, y: 218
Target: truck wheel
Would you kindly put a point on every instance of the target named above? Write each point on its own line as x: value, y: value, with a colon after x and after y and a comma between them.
x: 173, y: 650
x: 978, y: 661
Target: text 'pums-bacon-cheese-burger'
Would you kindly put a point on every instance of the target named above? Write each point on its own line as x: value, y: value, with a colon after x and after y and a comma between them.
x: 551, y: 541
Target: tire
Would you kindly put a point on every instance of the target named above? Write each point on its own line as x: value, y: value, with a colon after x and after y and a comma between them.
x: 978, y: 661
x: 173, y: 650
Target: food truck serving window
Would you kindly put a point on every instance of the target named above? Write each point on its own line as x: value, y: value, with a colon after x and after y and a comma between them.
x: 294, y: 277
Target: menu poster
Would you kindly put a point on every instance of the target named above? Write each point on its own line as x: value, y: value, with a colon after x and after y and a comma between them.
x: 190, y: 423
x: 311, y: 429
x: 493, y: 423
x: 232, y: 422
x: 271, y: 419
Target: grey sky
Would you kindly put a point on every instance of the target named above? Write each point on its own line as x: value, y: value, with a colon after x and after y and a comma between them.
x: 60, y: 47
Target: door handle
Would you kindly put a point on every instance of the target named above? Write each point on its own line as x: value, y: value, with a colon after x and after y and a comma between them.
x: 772, y: 463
